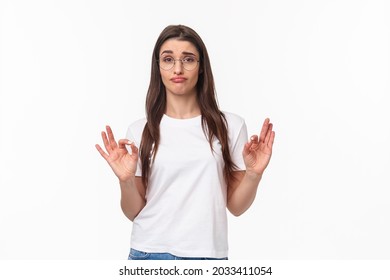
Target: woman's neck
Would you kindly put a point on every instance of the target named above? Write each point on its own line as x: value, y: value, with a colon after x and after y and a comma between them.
x: 182, y: 107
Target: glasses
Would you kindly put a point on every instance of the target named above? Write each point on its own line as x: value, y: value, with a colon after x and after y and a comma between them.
x: 189, y: 62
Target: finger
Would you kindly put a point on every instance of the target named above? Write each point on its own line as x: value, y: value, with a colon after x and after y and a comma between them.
x: 264, y: 130
x: 246, y: 150
x: 134, y: 149
x: 252, y: 143
x: 269, y: 133
x: 111, y: 138
x: 102, y: 153
x: 271, y: 140
x: 254, y: 139
x: 106, y: 142
x: 123, y: 142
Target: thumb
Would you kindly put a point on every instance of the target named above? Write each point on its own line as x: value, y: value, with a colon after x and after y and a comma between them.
x: 246, y: 150
x: 248, y: 145
x: 129, y: 145
x: 134, y: 149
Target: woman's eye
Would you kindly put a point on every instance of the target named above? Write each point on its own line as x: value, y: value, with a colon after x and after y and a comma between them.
x: 168, y: 59
x: 189, y: 59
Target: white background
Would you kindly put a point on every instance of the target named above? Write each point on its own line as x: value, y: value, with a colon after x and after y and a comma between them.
x: 319, y: 69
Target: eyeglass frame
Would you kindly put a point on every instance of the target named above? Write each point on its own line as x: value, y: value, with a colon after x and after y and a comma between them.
x: 174, y: 63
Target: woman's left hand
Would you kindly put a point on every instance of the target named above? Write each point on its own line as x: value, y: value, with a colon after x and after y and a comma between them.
x: 257, y: 152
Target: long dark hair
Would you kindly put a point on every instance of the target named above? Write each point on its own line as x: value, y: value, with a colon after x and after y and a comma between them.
x: 213, y: 120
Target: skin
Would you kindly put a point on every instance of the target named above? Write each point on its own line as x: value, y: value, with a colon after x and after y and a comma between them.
x: 257, y: 155
x: 181, y: 96
x: 182, y: 103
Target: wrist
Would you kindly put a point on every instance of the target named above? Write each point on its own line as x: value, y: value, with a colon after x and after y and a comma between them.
x: 253, y: 175
x: 127, y: 180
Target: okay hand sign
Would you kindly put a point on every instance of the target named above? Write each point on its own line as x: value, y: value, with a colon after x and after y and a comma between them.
x: 123, y: 163
x: 257, y: 152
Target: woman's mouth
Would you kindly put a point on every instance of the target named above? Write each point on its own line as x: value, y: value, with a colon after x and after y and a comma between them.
x: 178, y: 80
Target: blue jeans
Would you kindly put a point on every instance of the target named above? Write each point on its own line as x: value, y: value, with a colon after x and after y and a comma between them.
x: 138, y: 255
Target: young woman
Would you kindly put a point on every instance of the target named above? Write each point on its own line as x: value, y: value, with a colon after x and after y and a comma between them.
x: 187, y: 161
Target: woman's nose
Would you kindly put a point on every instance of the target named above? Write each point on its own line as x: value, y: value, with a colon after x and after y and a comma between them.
x: 178, y: 67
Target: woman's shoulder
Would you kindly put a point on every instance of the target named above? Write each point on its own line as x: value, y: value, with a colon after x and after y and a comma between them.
x: 233, y: 119
x: 138, y: 124
x: 135, y: 129
x: 236, y: 128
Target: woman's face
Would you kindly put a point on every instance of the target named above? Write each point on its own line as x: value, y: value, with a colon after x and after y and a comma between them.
x: 178, y: 80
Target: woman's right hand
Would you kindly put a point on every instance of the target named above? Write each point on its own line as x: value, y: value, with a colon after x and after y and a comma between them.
x: 117, y: 156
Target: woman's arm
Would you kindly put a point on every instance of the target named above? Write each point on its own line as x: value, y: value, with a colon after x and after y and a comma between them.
x: 132, y: 197
x: 257, y: 154
x: 124, y: 165
x: 242, y: 192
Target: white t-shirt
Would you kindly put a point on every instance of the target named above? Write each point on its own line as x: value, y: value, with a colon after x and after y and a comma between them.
x: 185, y: 212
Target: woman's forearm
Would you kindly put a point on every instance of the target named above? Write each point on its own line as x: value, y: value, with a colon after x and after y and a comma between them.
x: 242, y: 195
x: 132, y: 201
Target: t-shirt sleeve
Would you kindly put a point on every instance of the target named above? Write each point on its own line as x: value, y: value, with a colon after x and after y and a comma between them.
x: 238, y: 144
x: 130, y: 135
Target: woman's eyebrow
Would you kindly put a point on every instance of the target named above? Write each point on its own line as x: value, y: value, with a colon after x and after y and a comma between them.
x: 188, y: 53
x: 167, y: 51
x: 171, y: 52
